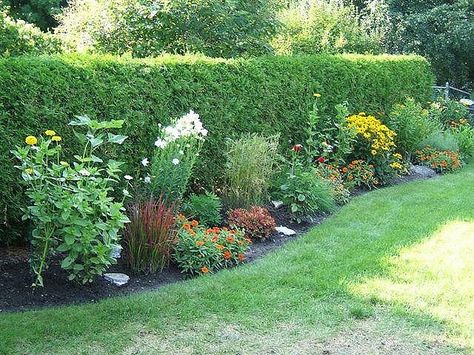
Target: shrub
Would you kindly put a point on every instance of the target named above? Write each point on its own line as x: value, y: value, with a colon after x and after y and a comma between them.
x: 359, y: 173
x: 269, y: 94
x: 375, y: 144
x: 178, y: 146
x: 70, y: 203
x: 202, y: 251
x: 150, y: 236
x: 305, y: 193
x: 331, y: 173
x: 256, y: 222
x: 464, y: 135
x: 441, y: 161
x: 412, y: 124
x: 204, y: 208
x: 18, y: 37
x: 251, y: 163
x: 148, y: 27
x: 441, y: 141
x: 449, y: 112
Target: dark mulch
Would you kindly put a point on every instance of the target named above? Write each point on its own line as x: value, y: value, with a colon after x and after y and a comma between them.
x: 16, y: 293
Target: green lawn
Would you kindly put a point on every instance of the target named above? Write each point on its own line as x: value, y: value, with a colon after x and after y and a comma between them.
x: 391, y: 272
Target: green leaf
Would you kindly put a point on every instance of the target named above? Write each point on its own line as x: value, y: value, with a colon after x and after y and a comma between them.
x: 301, y: 197
x: 81, y: 121
x: 116, y: 138
x: 67, y: 262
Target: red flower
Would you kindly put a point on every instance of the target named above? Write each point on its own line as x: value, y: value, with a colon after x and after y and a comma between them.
x: 227, y: 255
x: 321, y: 160
x: 297, y: 148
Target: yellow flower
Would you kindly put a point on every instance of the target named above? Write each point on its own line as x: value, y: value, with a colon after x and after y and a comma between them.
x: 50, y: 132
x: 31, y: 140
x: 374, y: 152
x: 63, y: 163
x: 29, y: 171
x: 361, y: 113
x: 317, y: 95
x: 56, y: 138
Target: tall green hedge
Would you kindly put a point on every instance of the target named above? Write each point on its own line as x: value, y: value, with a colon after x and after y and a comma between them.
x: 269, y: 94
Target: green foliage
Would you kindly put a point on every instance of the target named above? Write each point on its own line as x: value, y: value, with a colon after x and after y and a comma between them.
x: 71, y: 206
x: 39, y: 12
x: 439, y: 30
x: 314, y: 26
x: 18, y: 37
x: 464, y: 136
x: 305, y: 193
x: 251, y: 164
x: 413, y: 124
x: 448, y: 112
x: 267, y: 95
x: 204, y: 208
x: 150, y: 236
x: 333, y: 176
x: 442, y: 141
x: 202, y: 251
x: 148, y: 27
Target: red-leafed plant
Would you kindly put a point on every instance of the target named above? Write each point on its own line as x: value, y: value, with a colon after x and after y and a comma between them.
x: 256, y: 221
x: 150, y: 236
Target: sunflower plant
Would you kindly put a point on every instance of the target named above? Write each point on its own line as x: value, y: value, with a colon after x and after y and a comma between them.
x: 71, y: 206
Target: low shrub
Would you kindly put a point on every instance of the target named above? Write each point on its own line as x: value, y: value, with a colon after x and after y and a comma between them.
x: 201, y: 251
x: 441, y: 161
x: 464, y: 135
x: 256, y: 222
x: 413, y: 124
x: 178, y: 147
x: 448, y: 112
x: 251, y: 164
x: 150, y: 236
x: 204, y: 208
x: 441, y: 140
x: 71, y: 204
x: 331, y: 173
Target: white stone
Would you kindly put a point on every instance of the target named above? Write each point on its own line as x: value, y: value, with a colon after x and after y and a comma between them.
x: 285, y: 230
x: 423, y: 171
x: 277, y: 204
x: 117, y: 278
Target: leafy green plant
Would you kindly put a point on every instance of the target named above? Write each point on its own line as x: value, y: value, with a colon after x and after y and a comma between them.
x: 305, y: 193
x: 150, y: 236
x: 333, y: 176
x: 178, y: 147
x: 201, y: 251
x: 71, y: 204
x: 256, y: 222
x: 448, y: 112
x: 440, y: 160
x: 204, y: 208
x: 464, y: 135
x: 412, y: 124
x: 440, y: 141
x: 251, y: 163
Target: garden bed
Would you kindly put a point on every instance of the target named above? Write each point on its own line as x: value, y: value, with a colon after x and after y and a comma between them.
x: 16, y: 293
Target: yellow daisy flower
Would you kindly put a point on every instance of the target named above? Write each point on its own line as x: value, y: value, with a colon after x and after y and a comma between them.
x: 31, y: 140
x: 56, y: 138
x: 50, y: 132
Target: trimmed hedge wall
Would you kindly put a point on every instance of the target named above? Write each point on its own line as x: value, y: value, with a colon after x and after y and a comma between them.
x: 268, y: 94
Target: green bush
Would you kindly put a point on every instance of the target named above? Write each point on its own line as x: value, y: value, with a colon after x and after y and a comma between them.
x: 18, y: 37
x: 464, y: 136
x: 204, y: 208
x: 251, y: 164
x: 441, y: 141
x: 267, y: 95
x: 412, y: 124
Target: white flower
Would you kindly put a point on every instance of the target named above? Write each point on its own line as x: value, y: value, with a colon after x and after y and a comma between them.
x: 204, y: 132
x: 84, y: 172
x: 125, y: 192
x: 159, y: 125
x: 175, y: 161
x: 160, y: 143
x: 147, y: 179
x: 181, y: 152
x: 145, y: 161
x: 128, y: 177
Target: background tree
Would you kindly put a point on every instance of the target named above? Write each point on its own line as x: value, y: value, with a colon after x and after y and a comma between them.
x: 39, y: 12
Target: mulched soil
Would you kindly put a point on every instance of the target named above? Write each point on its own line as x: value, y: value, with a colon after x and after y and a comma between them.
x: 16, y: 293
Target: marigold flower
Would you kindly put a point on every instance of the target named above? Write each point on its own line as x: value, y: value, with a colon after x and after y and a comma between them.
x: 199, y: 243
x: 227, y: 255
x: 204, y: 270
x: 50, y: 132
x: 194, y: 223
x: 230, y: 239
x: 31, y: 140
x: 241, y: 257
x: 219, y: 246
x: 214, y: 239
x: 317, y: 95
x: 56, y: 138
x: 345, y: 170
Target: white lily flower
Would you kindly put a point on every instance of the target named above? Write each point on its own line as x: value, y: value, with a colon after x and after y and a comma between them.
x: 160, y: 143
x: 128, y: 177
x: 145, y: 162
x: 147, y: 179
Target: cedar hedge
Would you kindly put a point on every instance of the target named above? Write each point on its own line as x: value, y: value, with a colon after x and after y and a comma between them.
x: 267, y: 94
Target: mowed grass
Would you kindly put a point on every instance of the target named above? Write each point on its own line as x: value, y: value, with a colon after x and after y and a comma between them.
x: 391, y: 272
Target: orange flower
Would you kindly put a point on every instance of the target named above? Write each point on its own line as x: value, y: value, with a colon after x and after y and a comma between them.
x: 345, y: 170
x: 220, y: 247
x: 215, y: 239
x: 199, y: 243
x: 248, y: 240
x: 194, y: 223
x: 181, y: 217
x: 187, y: 226
x: 230, y: 239
x: 204, y: 270
x: 227, y: 255
x: 241, y: 257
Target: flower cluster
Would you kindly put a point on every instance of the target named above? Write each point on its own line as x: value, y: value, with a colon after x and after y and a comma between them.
x: 359, y: 173
x: 441, y: 161
x: 256, y: 222
x: 203, y: 250
x: 380, y: 138
x: 187, y: 126
x: 332, y: 174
